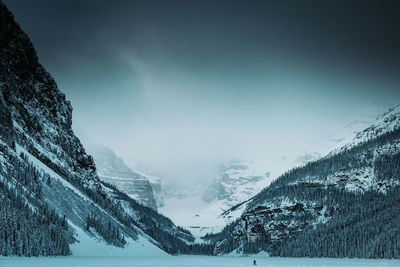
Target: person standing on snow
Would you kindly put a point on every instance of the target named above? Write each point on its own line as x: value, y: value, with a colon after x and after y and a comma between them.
x: 254, y: 262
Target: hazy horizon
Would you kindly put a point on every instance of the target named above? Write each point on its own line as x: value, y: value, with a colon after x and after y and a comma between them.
x: 179, y: 87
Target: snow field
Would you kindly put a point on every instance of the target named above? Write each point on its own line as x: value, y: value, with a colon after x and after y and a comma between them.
x: 185, y: 261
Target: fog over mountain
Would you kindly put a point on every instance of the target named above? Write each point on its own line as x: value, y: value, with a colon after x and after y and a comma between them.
x: 162, y: 133
x: 176, y: 94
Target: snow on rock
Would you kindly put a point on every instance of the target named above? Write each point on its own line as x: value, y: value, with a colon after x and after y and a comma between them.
x: 113, y: 170
x: 384, y: 123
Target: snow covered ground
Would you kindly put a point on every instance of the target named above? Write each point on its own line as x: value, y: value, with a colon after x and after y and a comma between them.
x: 195, y: 215
x: 88, y: 246
x: 185, y: 261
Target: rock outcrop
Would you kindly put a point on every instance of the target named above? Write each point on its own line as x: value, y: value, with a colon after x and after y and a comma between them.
x: 113, y: 170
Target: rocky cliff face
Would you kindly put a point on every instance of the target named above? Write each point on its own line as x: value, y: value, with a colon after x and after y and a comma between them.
x: 113, y: 170
x: 157, y: 190
x: 41, y: 115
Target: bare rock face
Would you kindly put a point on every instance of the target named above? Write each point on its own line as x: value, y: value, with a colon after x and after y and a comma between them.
x: 157, y: 189
x: 39, y: 112
x: 113, y: 170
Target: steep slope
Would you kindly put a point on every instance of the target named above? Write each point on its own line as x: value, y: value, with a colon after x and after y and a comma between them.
x: 47, y: 177
x: 156, y: 184
x: 384, y: 123
x: 387, y: 122
x: 112, y: 169
x: 343, y: 205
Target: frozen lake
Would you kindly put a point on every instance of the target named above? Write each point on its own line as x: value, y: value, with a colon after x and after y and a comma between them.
x: 181, y: 261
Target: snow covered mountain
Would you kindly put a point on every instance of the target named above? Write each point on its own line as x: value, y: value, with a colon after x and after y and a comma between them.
x: 112, y: 169
x: 332, y: 207
x: 236, y: 182
x: 202, y: 208
x: 386, y: 122
x: 50, y: 192
x: 53, y: 202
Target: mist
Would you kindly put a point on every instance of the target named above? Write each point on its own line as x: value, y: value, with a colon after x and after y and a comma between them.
x: 177, y: 89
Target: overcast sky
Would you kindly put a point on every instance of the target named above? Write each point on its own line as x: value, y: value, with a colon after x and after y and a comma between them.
x: 179, y: 85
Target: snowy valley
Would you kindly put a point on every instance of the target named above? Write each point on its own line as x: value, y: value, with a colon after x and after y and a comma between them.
x: 336, y: 200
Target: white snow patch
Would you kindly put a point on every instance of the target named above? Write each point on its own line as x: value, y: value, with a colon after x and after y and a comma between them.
x: 321, y: 218
x: 91, y: 247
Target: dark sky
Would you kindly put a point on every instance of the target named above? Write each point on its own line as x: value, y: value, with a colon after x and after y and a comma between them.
x: 365, y: 33
x: 158, y: 80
